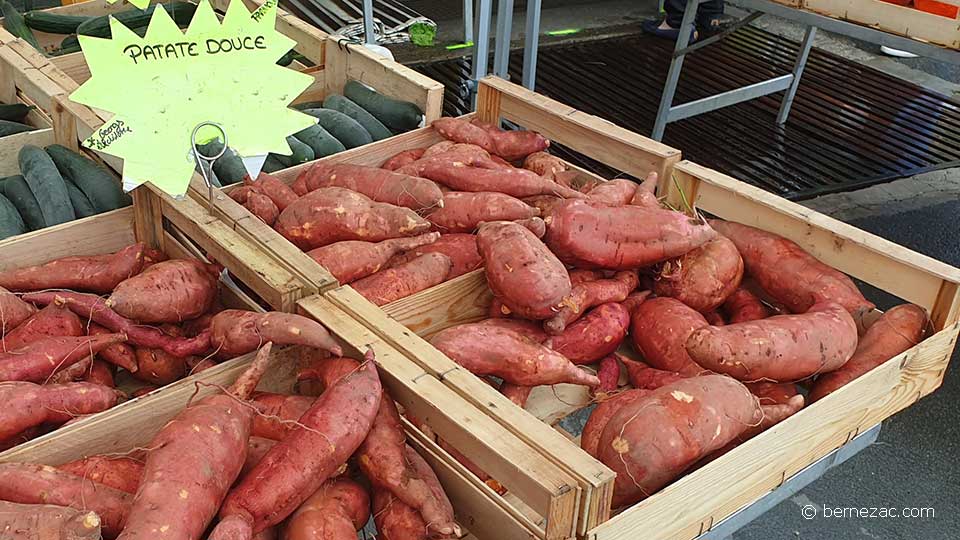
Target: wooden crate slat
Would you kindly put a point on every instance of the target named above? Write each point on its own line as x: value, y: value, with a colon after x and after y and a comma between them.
x: 892, y: 18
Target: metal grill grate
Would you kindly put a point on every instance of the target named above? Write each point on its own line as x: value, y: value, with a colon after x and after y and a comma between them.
x: 851, y: 126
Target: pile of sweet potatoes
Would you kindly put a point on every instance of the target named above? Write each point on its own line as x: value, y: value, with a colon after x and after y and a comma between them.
x: 220, y: 469
x: 65, y: 350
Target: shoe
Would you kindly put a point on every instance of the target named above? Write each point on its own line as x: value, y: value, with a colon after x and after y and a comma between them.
x: 652, y: 27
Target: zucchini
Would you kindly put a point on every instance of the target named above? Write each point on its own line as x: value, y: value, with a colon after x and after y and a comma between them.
x: 18, y: 192
x: 14, y: 23
x: 301, y: 153
x: 100, y: 187
x: 308, y: 105
x: 81, y: 204
x: 320, y: 141
x: 272, y: 164
x: 15, y: 112
x: 10, y: 128
x: 346, y: 130
x: 11, y: 224
x: 228, y: 167
x: 397, y: 115
x: 54, y: 23
x: 48, y: 187
x: 134, y: 19
x: 374, y: 127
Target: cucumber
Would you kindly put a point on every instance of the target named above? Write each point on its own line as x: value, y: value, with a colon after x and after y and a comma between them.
x: 180, y: 12
x: 81, y: 204
x: 320, y: 141
x: 48, y: 187
x: 395, y: 114
x: 346, y: 130
x: 272, y: 164
x: 100, y: 187
x: 11, y: 224
x: 228, y: 167
x: 302, y: 153
x: 10, y: 128
x: 18, y: 192
x: 54, y: 23
x: 15, y: 112
x: 374, y: 127
x: 308, y: 105
x: 14, y: 23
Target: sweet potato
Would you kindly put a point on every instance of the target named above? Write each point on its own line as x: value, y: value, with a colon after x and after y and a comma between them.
x: 617, y: 192
x: 195, y: 364
x: 100, y: 373
x: 460, y: 248
x: 171, y: 291
x: 277, y: 414
x: 351, y: 260
x: 544, y: 164
x: 64, y: 402
x: 490, y: 350
x: 94, y: 308
x: 782, y: 348
x: 646, y: 194
x: 193, y: 460
x: 438, y: 148
x: 773, y: 393
x: 47, y: 522
x: 521, y: 271
x: 773, y: 414
x: 634, y: 300
x: 456, y: 155
x: 297, y: 466
x: 30, y: 483
x: 894, y: 332
x: 257, y: 447
x: 329, y: 215
x: 397, y: 521
x: 242, y: 193
x: 234, y: 332
x: 261, y: 206
x: 51, y: 321
x: 535, y: 225
x: 37, y: 361
x: 643, y: 376
x: 462, y: 212
x: 403, y: 158
x: 590, y: 235
x: 119, y: 354
x: 98, y: 273
x: 653, y: 439
x: 279, y: 193
x: 744, y: 306
x: 516, y: 393
x: 463, y: 131
x: 512, y: 145
x: 498, y: 309
x: 579, y: 275
x: 142, y: 391
x: 528, y: 329
x: 788, y: 273
x: 75, y: 372
x: 379, y: 185
x: 703, y: 278
x: 156, y: 366
x: 593, y: 429
x: 609, y: 374
x: 714, y: 318
x: 122, y: 473
x: 514, y: 182
x: 659, y: 329
x: 544, y: 203
x: 336, y: 511
x: 26, y: 435
x: 13, y: 311
x: 403, y: 280
x: 595, y: 335
x: 588, y: 294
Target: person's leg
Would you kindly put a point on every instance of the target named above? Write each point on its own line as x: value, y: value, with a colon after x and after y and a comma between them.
x: 708, y: 15
x: 667, y: 28
x: 674, y: 10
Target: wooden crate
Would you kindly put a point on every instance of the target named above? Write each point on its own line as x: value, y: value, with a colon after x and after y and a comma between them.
x: 481, y: 511
x: 900, y: 20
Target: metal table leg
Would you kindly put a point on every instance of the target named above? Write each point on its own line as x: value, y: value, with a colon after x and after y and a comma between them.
x: 797, y: 73
x: 481, y: 48
x: 501, y: 54
x: 370, y: 33
x: 531, y: 43
x: 676, y: 65
x: 468, y: 21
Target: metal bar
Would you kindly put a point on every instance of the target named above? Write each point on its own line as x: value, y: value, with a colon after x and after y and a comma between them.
x: 863, y: 33
x: 802, y: 56
x: 531, y: 44
x: 501, y: 55
x: 720, y: 35
x: 467, y: 21
x: 734, y: 522
x: 481, y: 48
x: 732, y: 97
x: 369, y: 31
x: 676, y: 65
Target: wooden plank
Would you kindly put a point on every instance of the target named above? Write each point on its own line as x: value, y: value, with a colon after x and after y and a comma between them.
x: 28, y: 79
x: 74, y: 65
x: 541, y: 484
x: 884, y: 264
x: 601, y: 140
x: 892, y: 18
x: 11, y: 144
x: 311, y: 41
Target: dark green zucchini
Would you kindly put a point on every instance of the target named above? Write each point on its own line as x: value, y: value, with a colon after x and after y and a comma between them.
x: 320, y: 141
x: 301, y: 153
x: 14, y: 23
x: 15, y: 112
x: 308, y: 105
x: 272, y: 164
x: 395, y: 114
x: 47, y: 185
x: 15, y: 189
x: 134, y: 19
x: 100, y: 187
x: 54, y: 23
x: 228, y: 167
x: 11, y: 224
x: 81, y: 204
x: 11, y: 128
x: 346, y: 130
x: 374, y: 127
